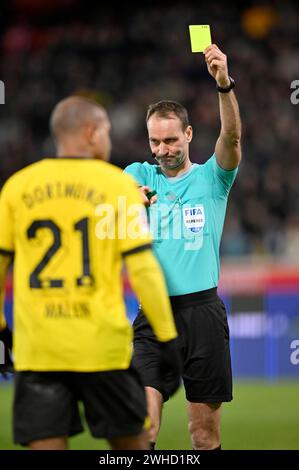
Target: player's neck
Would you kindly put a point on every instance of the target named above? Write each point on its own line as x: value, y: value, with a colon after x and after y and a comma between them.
x: 178, y: 171
x: 73, y: 151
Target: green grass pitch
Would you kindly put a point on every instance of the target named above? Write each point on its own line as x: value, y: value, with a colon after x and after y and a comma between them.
x: 262, y: 416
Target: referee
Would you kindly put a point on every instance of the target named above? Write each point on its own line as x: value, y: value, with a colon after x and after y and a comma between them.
x: 186, y: 218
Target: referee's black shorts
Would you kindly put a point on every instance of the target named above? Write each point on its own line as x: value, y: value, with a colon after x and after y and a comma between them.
x: 204, y: 344
x: 46, y: 404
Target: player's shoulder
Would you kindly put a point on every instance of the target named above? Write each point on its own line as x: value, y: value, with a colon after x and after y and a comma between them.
x: 20, y: 177
x: 114, y: 172
x: 113, y: 177
x: 107, y: 168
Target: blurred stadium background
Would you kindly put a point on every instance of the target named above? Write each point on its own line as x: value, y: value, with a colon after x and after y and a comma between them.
x: 129, y: 57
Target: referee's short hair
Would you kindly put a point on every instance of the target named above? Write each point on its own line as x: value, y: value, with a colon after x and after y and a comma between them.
x: 165, y: 108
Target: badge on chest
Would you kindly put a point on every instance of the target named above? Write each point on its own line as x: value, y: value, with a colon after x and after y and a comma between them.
x: 194, y: 218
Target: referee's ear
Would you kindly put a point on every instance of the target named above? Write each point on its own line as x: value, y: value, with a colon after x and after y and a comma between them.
x: 189, y: 133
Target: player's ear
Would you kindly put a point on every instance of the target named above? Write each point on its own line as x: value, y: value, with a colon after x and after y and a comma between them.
x: 189, y: 133
x: 90, y: 133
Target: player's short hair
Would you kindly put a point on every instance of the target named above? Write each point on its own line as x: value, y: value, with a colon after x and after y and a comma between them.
x: 165, y: 108
x: 73, y: 112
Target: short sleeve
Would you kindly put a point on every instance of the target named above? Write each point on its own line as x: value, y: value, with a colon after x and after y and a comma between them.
x: 6, y: 221
x: 221, y: 179
x: 132, y: 223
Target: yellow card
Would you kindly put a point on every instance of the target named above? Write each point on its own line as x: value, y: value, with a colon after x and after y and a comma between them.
x: 200, y: 36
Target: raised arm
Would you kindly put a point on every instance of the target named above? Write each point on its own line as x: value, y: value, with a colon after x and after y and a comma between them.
x: 228, y: 145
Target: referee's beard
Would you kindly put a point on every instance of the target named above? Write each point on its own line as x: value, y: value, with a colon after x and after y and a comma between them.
x: 171, y: 162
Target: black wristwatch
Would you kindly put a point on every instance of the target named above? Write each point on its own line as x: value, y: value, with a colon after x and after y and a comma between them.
x: 228, y: 88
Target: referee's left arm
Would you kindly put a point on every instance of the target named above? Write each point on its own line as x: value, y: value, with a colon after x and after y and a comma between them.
x: 228, y: 145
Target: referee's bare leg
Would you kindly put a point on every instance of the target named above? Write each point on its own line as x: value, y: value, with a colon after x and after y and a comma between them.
x: 204, y: 421
x: 204, y: 425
